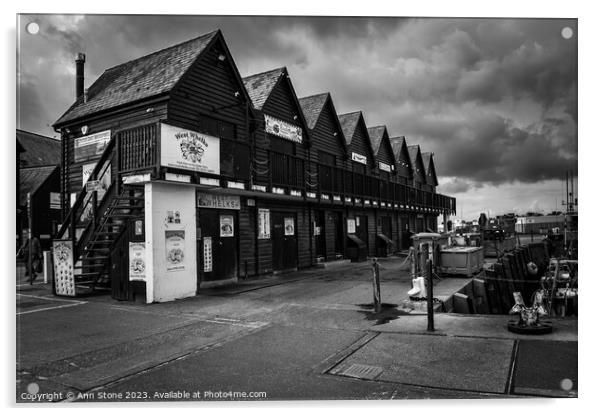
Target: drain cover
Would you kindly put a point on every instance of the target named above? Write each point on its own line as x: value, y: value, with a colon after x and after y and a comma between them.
x: 367, y: 372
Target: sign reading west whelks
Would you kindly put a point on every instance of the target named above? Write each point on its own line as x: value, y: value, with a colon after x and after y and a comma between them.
x: 87, y: 147
x: 283, y: 129
x: 218, y: 201
x: 189, y: 150
x: 356, y: 157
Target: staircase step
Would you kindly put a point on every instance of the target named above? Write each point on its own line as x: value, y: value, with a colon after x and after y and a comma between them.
x: 107, y: 232
x: 87, y: 274
x: 125, y: 198
x: 100, y: 242
x: 95, y: 258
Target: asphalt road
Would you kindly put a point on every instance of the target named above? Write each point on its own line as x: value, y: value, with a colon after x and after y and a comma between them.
x: 302, y: 336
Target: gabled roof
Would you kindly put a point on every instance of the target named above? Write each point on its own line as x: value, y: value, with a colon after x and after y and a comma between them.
x: 376, y: 136
x: 144, y: 77
x: 400, y: 149
x: 416, y: 158
x: 379, y: 136
x: 314, y: 105
x: 429, y: 166
x: 349, y: 123
x: 38, y: 150
x: 30, y: 179
x: 260, y: 86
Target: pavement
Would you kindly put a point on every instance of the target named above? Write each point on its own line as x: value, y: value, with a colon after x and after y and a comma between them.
x: 307, y: 335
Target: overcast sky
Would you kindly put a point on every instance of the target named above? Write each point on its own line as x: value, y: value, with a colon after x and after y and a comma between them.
x: 494, y: 99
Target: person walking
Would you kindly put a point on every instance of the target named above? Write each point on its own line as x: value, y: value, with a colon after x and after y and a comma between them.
x: 36, y: 251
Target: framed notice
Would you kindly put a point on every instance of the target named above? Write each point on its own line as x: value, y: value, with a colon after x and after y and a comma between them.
x: 189, y: 150
x: 289, y: 226
x: 63, y: 267
x: 88, y: 147
x: 207, y: 254
x: 55, y: 200
x: 137, y: 261
x: 174, y: 250
x: 263, y: 223
x: 351, y: 226
x: 87, y: 171
x: 226, y: 225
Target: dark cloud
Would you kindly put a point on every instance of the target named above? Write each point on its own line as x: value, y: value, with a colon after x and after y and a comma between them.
x: 494, y: 99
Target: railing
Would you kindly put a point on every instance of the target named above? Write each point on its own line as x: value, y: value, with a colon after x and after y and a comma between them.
x: 287, y: 170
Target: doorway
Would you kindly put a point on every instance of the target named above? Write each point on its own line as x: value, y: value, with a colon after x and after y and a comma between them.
x: 217, y: 245
x: 284, y: 241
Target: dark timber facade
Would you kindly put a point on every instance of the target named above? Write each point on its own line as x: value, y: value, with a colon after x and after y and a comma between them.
x: 179, y: 174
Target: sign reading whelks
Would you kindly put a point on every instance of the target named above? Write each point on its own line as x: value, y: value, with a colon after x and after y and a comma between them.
x: 356, y: 157
x: 88, y: 147
x: 283, y: 129
x: 189, y: 150
x: 218, y: 201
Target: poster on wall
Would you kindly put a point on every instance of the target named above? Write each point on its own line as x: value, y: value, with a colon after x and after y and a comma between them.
x: 263, y: 223
x: 289, y: 226
x: 189, y: 150
x: 283, y: 129
x: 87, y: 147
x: 87, y: 171
x: 226, y: 225
x: 62, y: 252
x: 175, y: 250
x: 55, y: 200
x: 207, y: 254
x: 351, y: 226
x: 137, y: 261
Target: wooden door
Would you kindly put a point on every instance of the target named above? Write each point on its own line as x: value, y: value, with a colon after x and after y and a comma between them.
x: 339, y: 234
x: 361, y: 228
x: 284, y: 241
x: 217, y: 247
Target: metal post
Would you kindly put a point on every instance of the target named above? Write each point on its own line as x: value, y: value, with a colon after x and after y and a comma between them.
x: 376, y: 285
x: 429, y: 295
x: 29, y: 236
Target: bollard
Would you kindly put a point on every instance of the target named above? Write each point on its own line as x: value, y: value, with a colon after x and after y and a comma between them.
x: 376, y: 285
x: 429, y: 296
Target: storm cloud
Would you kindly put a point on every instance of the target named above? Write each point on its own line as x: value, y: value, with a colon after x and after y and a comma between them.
x: 494, y: 99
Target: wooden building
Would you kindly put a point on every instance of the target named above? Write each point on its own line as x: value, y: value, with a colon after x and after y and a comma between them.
x: 179, y: 174
x: 38, y: 175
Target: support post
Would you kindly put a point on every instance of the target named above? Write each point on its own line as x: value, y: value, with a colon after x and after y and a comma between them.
x: 376, y: 285
x: 429, y: 296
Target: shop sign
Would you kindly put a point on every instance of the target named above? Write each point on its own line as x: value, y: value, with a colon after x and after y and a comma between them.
x: 55, y: 200
x: 218, y: 201
x: 384, y: 166
x: 226, y: 225
x: 351, y: 226
x: 137, y: 261
x: 283, y: 129
x: 356, y: 157
x: 263, y: 223
x: 189, y: 150
x: 87, y: 147
x: 175, y: 250
x: 92, y: 186
x: 177, y: 178
x: 289, y: 226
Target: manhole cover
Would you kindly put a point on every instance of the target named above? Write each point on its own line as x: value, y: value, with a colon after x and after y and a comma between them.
x: 367, y: 372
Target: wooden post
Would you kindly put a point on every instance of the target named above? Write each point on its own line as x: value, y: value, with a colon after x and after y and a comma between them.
x: 376, y: 285
x: 429, y: 295
x: 29, y: 237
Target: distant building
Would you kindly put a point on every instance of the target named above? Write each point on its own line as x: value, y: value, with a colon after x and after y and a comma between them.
x: 540, y: 224
x: 38, y: 173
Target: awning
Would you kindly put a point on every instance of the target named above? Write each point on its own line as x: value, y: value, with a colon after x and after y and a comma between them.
x: 385, y: 238
x: 358, y: 241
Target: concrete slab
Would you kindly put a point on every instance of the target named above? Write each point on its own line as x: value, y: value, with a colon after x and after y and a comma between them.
x: 492, y: 326
x: 546, y: 368
x: 471, y: 364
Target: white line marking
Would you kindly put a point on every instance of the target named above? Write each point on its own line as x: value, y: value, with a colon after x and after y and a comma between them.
x: 51, y: 299
x: 52, y: 307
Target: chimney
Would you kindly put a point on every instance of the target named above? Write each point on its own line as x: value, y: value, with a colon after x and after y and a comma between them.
x: 79, y: 75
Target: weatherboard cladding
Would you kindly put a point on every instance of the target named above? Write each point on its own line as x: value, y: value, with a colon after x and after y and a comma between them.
x: 322, y: 119
x: 402, y: 157
x: 31, y: 179
x: 427, y: 159
x: 356, y: 135
x: 416, y: 158
x: 381, y: 145
x: 141, y: 78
